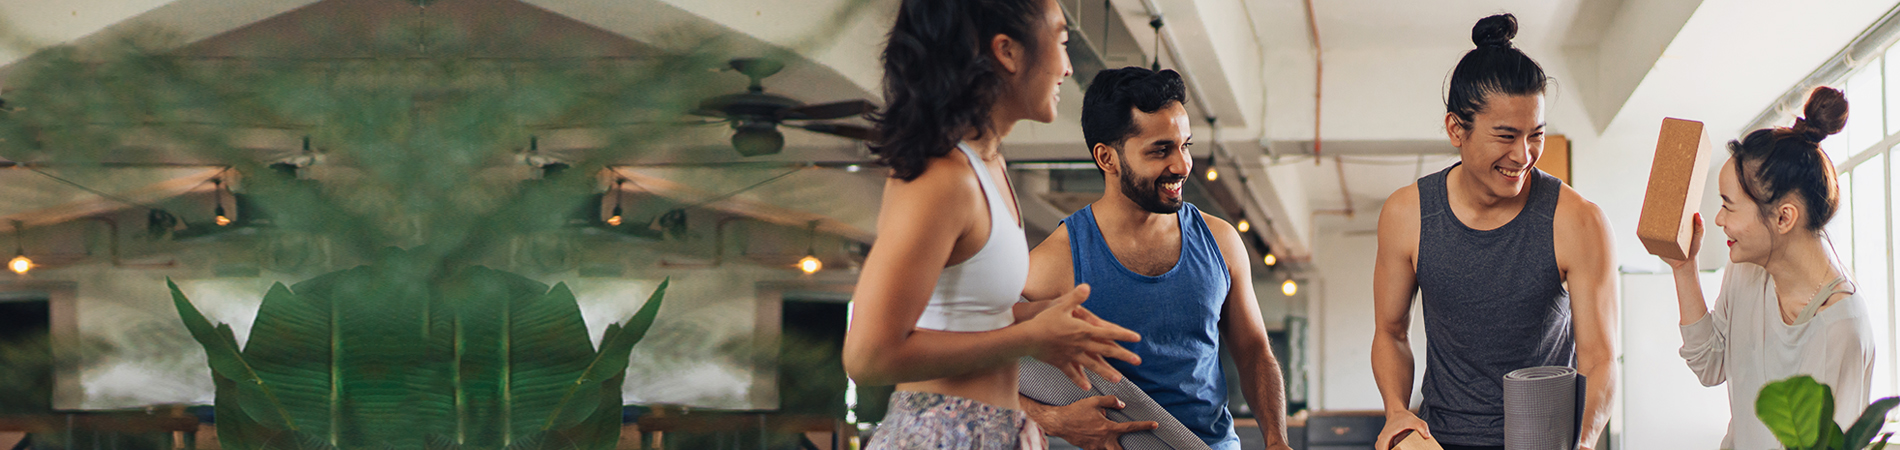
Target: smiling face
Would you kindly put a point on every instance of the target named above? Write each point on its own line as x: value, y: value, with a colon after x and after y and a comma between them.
x: 1034, y: 90
x: 1502, y: 143
x: 1751, y: 238
x: 1154, y: 163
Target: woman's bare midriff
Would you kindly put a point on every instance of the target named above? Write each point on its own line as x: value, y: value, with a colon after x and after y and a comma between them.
x: 995, y: 386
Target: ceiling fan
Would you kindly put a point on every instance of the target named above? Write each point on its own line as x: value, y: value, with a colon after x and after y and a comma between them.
x: 755, y: 114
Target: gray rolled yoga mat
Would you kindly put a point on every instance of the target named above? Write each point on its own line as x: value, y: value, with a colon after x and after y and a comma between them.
x: 1047, y: 384
x: 1543, y: 408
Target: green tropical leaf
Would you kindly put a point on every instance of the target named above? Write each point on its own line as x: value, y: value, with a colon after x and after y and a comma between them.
x: 378, y: 357
x: 1864, y: 429
x: 1832, y: 436
x: 1882, y: 443
x: 341, y: 351
x: 616, y: 346
x: 226, y: 360
x: 515, y: 345
x: 236, y: 429
x: 1794, y: 410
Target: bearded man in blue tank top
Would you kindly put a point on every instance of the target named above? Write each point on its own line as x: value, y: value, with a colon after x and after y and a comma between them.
x: 1161, y: 268
x: 1514, y: 268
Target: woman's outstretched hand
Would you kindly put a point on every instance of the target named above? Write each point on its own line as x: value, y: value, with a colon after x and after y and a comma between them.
x: 1073, y: 339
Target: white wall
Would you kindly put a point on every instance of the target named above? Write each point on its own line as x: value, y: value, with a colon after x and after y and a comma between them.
x: 1343, y: 317
x: 1664, y: 406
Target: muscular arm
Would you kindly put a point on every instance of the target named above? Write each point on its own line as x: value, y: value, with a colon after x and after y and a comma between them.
x: 1394, y: 281
x: 1260, y: 378
x: 1585, y: 254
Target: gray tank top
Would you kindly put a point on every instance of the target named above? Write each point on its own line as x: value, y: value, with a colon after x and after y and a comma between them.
x: 1494, y: 302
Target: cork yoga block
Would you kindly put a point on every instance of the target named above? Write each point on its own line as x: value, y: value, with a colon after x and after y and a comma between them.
x: 1409, y: 440
x: 1676, y: 182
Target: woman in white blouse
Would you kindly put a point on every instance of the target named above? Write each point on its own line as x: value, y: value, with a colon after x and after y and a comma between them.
x: 1784, y: 309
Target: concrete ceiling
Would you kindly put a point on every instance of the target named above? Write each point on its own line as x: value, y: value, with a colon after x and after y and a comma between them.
x: 1620, y: 65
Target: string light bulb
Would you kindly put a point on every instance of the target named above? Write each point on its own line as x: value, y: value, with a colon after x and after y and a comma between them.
x: 1213, y: 174
x: 1289, y: 288
x: 1243, y: 226
x: 1270, y: 260
x: 615, y: 219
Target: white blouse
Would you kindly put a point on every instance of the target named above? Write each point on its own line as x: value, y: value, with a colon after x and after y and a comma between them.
x: 1745, y: 343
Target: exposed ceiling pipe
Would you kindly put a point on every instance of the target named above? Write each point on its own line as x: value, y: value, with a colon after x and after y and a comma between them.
x: 1319, y: 79
x: 1344, y: 194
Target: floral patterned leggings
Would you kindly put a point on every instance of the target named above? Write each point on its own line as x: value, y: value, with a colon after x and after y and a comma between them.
x: 923, y: 420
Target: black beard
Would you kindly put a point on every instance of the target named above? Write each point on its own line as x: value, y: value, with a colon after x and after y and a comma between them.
x: 1147, y: 193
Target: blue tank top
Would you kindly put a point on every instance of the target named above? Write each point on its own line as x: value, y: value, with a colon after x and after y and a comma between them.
x: 1177, y: 314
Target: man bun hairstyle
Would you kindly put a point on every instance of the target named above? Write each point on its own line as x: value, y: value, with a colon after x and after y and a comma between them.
x: 1773, y: 163
x: 1495, y: 67
x: 1108, y: 106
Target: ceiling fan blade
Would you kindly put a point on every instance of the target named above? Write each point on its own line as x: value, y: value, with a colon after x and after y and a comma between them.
x: 858, y: 132
x: 668, y: 123
x: 833, y: 110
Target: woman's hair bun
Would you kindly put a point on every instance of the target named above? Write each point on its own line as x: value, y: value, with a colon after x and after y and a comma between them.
x: 1825, y: 114
x: 1495, y: 31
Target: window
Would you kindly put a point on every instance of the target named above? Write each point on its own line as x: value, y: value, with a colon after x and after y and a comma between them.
x: 1861, y: 233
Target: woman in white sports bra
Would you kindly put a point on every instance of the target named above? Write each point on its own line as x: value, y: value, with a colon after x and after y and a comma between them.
x: 935, y: 308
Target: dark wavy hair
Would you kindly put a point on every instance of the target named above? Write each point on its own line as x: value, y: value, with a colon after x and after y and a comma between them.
x: 1495, y: 67
x: 1781, y: 161
x: 1108, y: 106
x: 940, y: 79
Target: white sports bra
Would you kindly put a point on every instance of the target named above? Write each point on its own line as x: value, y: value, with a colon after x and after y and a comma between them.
x: 976, y: 294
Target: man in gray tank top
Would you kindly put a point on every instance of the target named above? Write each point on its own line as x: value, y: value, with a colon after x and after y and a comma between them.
x: 1514, y: 268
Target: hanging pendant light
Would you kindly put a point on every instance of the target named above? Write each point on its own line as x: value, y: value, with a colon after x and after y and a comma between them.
x: 20, y: 263
x: 810, y: 263
x: 1243, y: 226
x: 1270, y: 260
x: 615, y: 219
x: 217, y: 193
x: 1289, y: 287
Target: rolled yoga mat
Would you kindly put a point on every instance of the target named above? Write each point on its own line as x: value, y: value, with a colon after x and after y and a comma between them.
x: 1047, y: 384
x: 1543, y: 408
